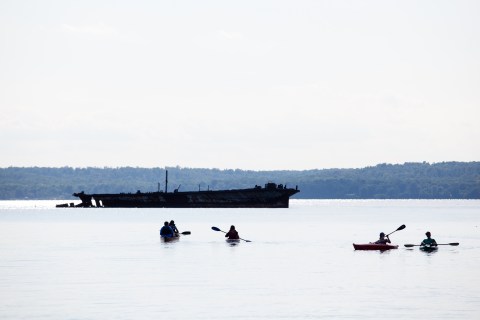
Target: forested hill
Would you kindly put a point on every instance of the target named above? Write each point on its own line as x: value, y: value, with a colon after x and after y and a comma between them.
x: 446, y: 180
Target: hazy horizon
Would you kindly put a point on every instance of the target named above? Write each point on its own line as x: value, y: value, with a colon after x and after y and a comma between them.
x: 227, y: 168
x: 255, y: 85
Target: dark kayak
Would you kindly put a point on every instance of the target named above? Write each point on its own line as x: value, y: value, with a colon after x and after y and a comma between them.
x: 428, y: 248
x: 374, y: 246
x: 169, y: 239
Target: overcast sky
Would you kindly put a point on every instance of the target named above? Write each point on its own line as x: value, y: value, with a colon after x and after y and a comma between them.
x: 239, y: 84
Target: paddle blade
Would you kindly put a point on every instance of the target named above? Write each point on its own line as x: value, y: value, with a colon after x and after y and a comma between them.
x: 409, y: 245
x: 454, y: 244
x: 186, y: 232
x: 216, y: 229
x: 398, y: 229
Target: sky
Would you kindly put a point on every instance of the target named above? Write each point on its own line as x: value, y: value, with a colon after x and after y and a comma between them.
x: 253, y: 85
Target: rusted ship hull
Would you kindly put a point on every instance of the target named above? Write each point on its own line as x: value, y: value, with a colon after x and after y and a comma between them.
x: 272, y: 196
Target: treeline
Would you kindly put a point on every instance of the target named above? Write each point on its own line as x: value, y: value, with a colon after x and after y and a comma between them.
x: 446, y: 180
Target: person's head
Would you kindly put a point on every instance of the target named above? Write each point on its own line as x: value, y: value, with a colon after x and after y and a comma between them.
x: 172, y: 222
x: 165, y: 223
x: 428, y: 234
x: 232, y: 228
x: 382, y: 235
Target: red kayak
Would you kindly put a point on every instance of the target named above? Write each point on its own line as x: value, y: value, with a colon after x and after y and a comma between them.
x: 374, y: 246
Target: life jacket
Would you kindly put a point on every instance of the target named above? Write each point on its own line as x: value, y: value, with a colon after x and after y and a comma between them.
x: 429, y: 242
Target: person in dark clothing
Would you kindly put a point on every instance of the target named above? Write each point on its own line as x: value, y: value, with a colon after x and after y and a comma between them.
x: 232, y: 234
x: 166, y: 231
x: 383, y: 239
x: 174, y: 227
x: 429, y: 242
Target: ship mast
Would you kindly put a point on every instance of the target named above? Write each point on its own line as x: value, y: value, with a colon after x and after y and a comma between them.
x: 166, y: 180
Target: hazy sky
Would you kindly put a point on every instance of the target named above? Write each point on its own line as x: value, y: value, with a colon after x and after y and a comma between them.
x: 239, y: 84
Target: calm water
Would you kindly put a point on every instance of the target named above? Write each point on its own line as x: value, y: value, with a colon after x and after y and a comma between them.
x: 110, y: 263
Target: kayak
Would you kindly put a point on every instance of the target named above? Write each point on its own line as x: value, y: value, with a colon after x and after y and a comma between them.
x: 169, y: 239
x: 232, y: 241
x: 429, y: 248
x: 374, y: 246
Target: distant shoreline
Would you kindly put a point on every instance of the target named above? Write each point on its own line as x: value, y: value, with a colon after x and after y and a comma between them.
x: 416, y: 181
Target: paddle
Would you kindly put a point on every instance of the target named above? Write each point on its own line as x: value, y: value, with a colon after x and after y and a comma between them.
x: 184, y: 233
x: 398, y: 229
x: 217, y: 229
x: 438, y: 244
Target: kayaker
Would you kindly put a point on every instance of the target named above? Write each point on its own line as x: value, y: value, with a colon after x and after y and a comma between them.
x: 232, y: 234
x: 383, y: 239
x: 174, y: 227
x: 429, y: 241
x: 166, y: 231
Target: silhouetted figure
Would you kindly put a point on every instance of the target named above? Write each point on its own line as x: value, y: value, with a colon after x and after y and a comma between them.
x: 232, y: 234
x: 166, y: 231
x: 174, y: 227
x: 383, y: 239
x: 429, y: 241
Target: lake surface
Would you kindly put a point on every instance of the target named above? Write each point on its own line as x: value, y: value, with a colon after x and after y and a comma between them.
x: 77, y: 263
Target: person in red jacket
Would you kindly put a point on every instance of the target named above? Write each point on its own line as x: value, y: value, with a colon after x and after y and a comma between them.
x: 232, y: 234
